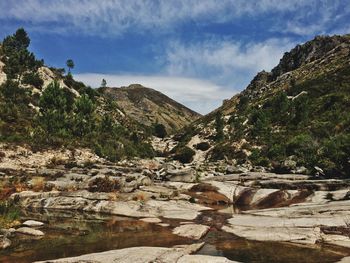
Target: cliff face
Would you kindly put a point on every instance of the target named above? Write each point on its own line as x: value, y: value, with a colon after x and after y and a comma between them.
x: 148, y: 106
x: 294, y: 114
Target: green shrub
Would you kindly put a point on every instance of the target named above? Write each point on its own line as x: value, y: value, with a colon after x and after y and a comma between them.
x: 257, y: 158
x: 8, y: 213
x: 33, y: 79
x: 159, y: 130
x: 203, y: 146
x: 184, y: 154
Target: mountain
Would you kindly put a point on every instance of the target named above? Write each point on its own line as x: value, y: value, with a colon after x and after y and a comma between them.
x: 149, y: 106
x: 293, y: 119
x: 45, y: 107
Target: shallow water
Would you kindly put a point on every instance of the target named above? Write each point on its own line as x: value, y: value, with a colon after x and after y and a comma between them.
x: 72, y: 234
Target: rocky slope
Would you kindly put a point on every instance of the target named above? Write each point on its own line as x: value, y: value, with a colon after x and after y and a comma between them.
x: 36, y: 112
x: 294, y: 118
x: 149, y: 106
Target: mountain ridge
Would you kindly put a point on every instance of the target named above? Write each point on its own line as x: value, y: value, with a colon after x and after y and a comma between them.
x: 149, y: 106
x: 292, y: 117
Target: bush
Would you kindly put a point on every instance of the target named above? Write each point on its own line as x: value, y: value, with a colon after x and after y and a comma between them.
x: 9, y: 213
x: 184, y: 154
x: 159, y: 130
x: 304, y: 147
x: 257, y: 158
x: 203, y: 146
x: 33, y: 79
x: 104, y: 184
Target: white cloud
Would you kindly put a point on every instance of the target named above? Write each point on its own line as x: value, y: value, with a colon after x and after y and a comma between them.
x: 229, y: 63
x: 199, y: 95
x: 203, y: 74
x: 113, y: 17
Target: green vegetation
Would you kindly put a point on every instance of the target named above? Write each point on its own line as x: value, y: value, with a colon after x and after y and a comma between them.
x: 203, y: 146
x: 61, y: 115
x: 312, y: 127
x: 184, y: 154
x: 159, y: 130
x: 70, y: 65
x: 219, y: 126
x: 9, y: 214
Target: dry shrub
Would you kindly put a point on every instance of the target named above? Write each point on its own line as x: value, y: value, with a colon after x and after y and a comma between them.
x: 38, y: 183
x: 104, y: 184
x: 6, y: 192
x: 139, y: 197
x: 20, y: 187
x: 55, y: 161
x: 113, y: 196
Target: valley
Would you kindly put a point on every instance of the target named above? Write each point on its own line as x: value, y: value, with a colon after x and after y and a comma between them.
x: 129, y: 175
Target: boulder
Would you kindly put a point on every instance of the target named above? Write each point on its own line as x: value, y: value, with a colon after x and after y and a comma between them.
x: 193, y: 231
x: 29, y: 231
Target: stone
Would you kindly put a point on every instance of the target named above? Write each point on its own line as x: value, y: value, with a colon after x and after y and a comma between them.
x: 29, y: 231
x: 32, y: 223
x: 193, y: 231
x: 151, y: 220
x: 163, y: 224
x: 4, y: 242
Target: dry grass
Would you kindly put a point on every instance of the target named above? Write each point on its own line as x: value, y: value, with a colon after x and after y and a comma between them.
x: 140, y: 197
x: 55, y: 161
x: 38, y: 183
x: 113, y: 196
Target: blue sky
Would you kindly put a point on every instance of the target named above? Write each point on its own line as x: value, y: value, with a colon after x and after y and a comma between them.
x: 198, y: 52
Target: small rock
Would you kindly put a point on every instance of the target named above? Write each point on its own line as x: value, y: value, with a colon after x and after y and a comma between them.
x: 5, y: 242
x: 32, y: 223
x: 163, y: 224
x: 193, y: 231
x: 151, y: 220
x: 29, y: 231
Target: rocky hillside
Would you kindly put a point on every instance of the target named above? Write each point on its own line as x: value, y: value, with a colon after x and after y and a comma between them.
x: 44, y: 107
x: 293, y: 119
x: 149, y: 106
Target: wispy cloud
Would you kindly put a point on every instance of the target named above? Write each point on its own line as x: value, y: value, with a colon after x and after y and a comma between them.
x: 229, y: 63
x: 199, y: 95
x: 114, y: 17
x: 201, y: 75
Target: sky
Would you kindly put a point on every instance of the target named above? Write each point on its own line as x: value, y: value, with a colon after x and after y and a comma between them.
x: 198, y: 52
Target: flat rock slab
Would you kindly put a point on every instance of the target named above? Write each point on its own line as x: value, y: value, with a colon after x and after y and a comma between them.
x: 135, y: 255
x: 32, y: 223
x: 29, y: 231
x: 193, y: 231
x: 173, y: 209
x: 298, y: 224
